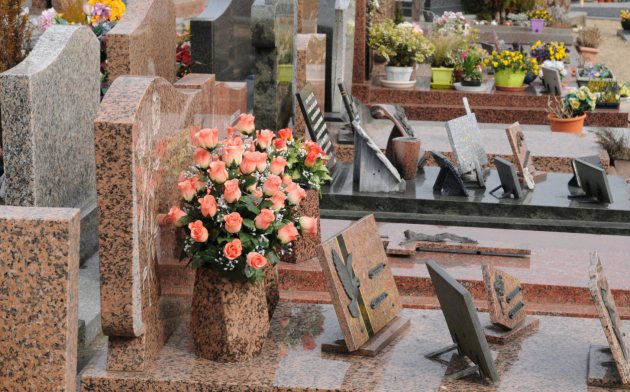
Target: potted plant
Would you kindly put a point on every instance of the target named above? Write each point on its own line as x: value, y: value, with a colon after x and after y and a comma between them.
x: 553, y: 64
x: 402, y: 46
x: 567, y: 114
x: 538, y: 18
x: 443, y: 59
x: 238, y: 218
x: 555, y: 51
x: 452, y: 23
x: 470, y: 62
x: 587, y: 42
x: 593, y: 72
x: 510, y: 68
x: 607, y: 93
x: 625, y: 19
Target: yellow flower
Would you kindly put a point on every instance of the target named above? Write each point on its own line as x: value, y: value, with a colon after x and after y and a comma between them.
x: 574, y: 103
x: 581, y: 95
x: 495, y: 64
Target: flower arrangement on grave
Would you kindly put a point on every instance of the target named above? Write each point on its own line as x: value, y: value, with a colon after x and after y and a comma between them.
x: 239, y: 213
x: 469, y: 62
x: 597, y: 71
x: 542, y: 52
x: 607, y: 92
x: 552, y: 64
x: 402, y: 46
x: 444, y: 58
x: 183, y: 59
x: 538, y: 18
x: 511, y: 67
x: 452, y: 23
x: 100, y: 15
x: 567, y: 114
x: 625, y: 19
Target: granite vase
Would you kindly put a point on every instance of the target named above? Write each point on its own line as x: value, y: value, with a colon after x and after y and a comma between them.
x: 229, y: 319
x: 305, y: 247
x: 407, y: 156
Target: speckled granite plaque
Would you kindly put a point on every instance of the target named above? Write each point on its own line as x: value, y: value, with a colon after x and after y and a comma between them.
x: 360, y: 281
x: 310, y: 68
x: 141, y: 134
x: 505, y: 297
x: 465, y: 138
x: 611, y: 323
x: 273, y: 28
x: 39, y: 290
x: 143, y: 42
x: 48, y: 103
x: 522, y: 159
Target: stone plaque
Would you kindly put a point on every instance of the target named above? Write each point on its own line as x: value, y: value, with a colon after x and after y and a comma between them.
x: 553, y: 83
x: 610, y: 319
x: 448, y: 181
x: 465, y: 138
x: 48, y: 103
x: 522, y: 157
x: 360, y: 282
x: 505, y: 297
x: 315, y: 123
x: 221, y: 40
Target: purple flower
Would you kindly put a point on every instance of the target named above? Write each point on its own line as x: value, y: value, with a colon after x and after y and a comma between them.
x: 47, y: 19
x: 100, y: 13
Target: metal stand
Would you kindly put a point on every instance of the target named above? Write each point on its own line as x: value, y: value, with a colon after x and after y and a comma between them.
x: 435, y: 355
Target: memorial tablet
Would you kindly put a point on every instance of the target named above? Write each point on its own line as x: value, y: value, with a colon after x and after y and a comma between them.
x: 593, y: 181
x: 552, y: 80
x: 522, y: 159
x: 448, y: 181
x: 362, y: 287
x: 315, y: 123
x: 465, y: 139
x: 508, y: 178
x: 608, y: 366
x: 462, y: 321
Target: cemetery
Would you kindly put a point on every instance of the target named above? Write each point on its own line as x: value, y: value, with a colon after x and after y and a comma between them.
x: 314, y: 195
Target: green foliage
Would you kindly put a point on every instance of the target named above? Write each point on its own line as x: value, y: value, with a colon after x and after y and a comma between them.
x: 446, y: 46
x: 490, y: 9
x: 574, y: 104
x: 401, y: 45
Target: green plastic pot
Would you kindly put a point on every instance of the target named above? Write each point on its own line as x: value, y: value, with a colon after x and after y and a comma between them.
x: 442, y: 75
x: 285, y: 73
x: 507, y: 78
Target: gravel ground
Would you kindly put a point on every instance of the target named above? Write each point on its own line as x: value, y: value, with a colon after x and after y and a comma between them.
x: 614, y: 51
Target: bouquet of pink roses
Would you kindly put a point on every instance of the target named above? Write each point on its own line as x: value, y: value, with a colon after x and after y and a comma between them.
x: 239, y: 206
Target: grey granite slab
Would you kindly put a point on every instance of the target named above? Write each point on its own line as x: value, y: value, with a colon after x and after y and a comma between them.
x: 48, y: 103
x: 221, y: 40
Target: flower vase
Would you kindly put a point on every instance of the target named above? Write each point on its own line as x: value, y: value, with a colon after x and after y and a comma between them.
x: 537, y: 25
x: 398, y: 74
x: 589, y: 55
x: 305, y: 247
x: 229, y: 320
x: 407, y: 156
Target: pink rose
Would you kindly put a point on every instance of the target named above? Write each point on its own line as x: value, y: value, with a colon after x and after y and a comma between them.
x: 175, y: 216
x: 233, y: 249
x: 264, y: 138
x: 198, y: 232
x: 199, y: 185
x: 272, y: 185
x: 231, y: 191
x: 287, y: 180
x: 285, y: 134
x: 233, y: 154
x: 257, y: 193
x: 280, y: 144
x: 208, y: 206
x: 233, y: 222
x: 311, y: 159
x: 245, y: 124
x: 187, y: 189
x: 277, y: 165
x: 202, y: 158
x: 248, y: 165
x: 278, y: 201
x: 287, y: 233
x: 308, y: 225
x: 261, y: 162
x: 207, y: 138
x: 256, y: 260
x: 295, y: 194
x: 217, y: 172
x: 264, y: 219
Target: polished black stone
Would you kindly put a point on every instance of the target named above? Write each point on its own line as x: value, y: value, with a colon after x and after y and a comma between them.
x: 546, y: 208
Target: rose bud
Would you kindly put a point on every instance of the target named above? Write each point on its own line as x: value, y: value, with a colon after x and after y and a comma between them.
x: 187, y: 189
x: 233, y: 249
x: 233, y: 154
x: 202, y: 158
x: 245, y: 124
x: 256, y: 260
x: 175, y: 216
x: 278, y: 201
x: 295, y: 194
x: 272, y: 185
x: 285, y: 134
x: 207, y: 138
x: 198, y: 232
x: 308, y: 225
x: 264, y: 219
x: 287, y: 233
x: 311, y: 159
x: 217, y: 172
x: 199, y: 185
x: 280, y: 144
x: 264, y: 138
x: 261, y: 162
x: 233, y: 222
x: 248, y: 165
x: 231, y: 191
x: 208, y: 206
x: 277, y: 166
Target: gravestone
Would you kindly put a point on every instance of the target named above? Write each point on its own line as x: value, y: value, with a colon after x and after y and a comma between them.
x: 465, y: 139
x: 372, y: 171
x: 315, y: 123
x: 336, y: 20
x: 221, y: 40
x: 307, y: 12
x: 361, y: 284
x: 47, y: 105
x: 508, y: 180
x: 608, y: 366
x: 142, y: 145
x: 273, y: 27
x: 448, y: 181
x: 39, y: 262
x: 522, y: 158
x: 462, y: 321
x: 143, y: 42
x: 553, y: 83
x: 310, y: 63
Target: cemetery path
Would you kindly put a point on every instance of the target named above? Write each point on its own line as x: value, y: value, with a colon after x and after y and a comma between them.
x: 614, y: 51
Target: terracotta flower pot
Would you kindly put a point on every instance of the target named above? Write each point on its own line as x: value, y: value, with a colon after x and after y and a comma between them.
x: 570, y: 125
x: 229, y: 320
x: 407, y: 156
x: 305, y: 248
x: 589, y: 55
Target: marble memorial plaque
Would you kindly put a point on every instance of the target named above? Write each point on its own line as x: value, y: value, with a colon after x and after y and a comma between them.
x: 465, y: 139
x: 360, y: 282
x: 505, y: 297
x: 609, y: 318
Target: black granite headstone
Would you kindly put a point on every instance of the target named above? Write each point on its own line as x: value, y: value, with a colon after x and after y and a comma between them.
x: 509, y: 179
x: 315, y: 123
x: 448, y: 181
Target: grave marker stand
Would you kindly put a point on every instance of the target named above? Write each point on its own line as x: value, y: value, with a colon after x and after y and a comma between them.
x: 448, y: 181
x: 522, y: 157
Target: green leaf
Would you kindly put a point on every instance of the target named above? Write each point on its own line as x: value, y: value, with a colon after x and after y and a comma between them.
x: 249, y: 223
x: 272, y: 257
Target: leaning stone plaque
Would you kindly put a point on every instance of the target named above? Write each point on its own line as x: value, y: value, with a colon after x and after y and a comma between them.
x: 465, y: 139
x: 315, y: 123
x: 508, y: 313
x: 607, y: 366
x: 527, y: 173
x: 373, y: 172
x: 448, y: 181
x: 362, y: 287
x: 463, y: 324
x: 552, y: 81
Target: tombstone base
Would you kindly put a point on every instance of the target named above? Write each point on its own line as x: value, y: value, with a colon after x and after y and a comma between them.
x: 602, y: 371
x: 498, y: 335
x: 376, y: 344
